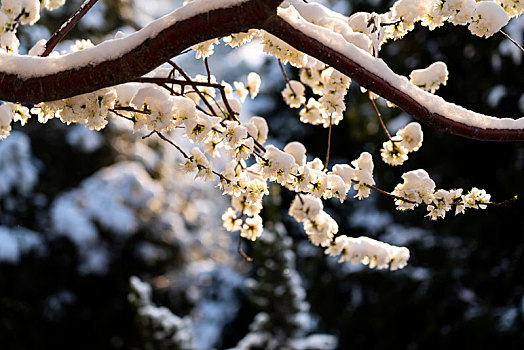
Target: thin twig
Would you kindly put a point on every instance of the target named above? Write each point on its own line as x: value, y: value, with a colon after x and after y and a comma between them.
x: 172, y: 144
x: 148, y: 135
x: 14, y: 25
x: 503, y: 203
x: 121, y: 115
x: 512, y: 40
x: 389, y: 194
x: 329, y: 143
x: 380, y: 117
x: 206, y: 63
x: 67, y: 26
x: 199, y: 93
x: 129, y: 109
x: 178, y: 82
x: 285, y: 77
x: 241, y: 252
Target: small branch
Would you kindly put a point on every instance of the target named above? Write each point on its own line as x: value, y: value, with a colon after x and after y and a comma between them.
x: 148, y: 135
x: 15, y: 23
x: 129, y: 109
x: 512, y: 40
x: 199, y: 93
x: 389, y: 194
x: 285, y: 77
x: 241, y: 252
x: 171, y: 143
x: 503, y: 203
x: 380, y: 118
x: 67, y: 26
x: 121, y: 115
x: 206, y: 63
x: 328, y: 143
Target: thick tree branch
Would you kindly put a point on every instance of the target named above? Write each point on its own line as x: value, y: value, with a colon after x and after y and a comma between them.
x: 364, y: 77
x: 147, y: 54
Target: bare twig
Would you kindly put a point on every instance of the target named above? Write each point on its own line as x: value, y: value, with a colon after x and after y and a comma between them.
x: 148, y: 135
x: 241, y: 252
x: 286, y: 77
x: 67, y: 26
x: 512, y: 40
x: 503, y: 203
x: 206, y: 63
x: 328, y: 143
x: 129, y: 109
x: 172, y: 143
x: 188, y: 78
x: 380, y: 117
x: 121, y: 115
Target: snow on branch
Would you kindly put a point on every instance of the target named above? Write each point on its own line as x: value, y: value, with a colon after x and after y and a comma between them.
x: 374, y: 74
x: 27, y: 79
x: 35, y: 79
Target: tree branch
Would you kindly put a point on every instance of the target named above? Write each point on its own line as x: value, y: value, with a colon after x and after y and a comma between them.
x: 139, y: 54
x: 147, y: 50
x: 67, y: 26
x: 301, y: 41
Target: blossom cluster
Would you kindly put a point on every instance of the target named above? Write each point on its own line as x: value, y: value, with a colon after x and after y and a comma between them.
x: 430, y: 78
x: 418, y: 188
x: 329, y: 84
x: 27, y: 12
x: 408, y: 139
x: 369, y: 252
x: 206, y: 113
x: 322, y: 229
x: 12, y: 112
x: 483, y: 18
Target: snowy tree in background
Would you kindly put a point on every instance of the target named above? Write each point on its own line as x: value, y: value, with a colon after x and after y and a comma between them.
x: 161, y: 121
x: 278, y: 283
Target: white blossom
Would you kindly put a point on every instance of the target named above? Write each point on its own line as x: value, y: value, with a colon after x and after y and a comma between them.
x: 369, y: 252
x: 253, y: 84
x: 417, y: 188
x: 294, y: 94
x: 411, y: 136
x: 205, y: 49
x: 305, y: 207
x: 489, y: 18
x: 252, y: 228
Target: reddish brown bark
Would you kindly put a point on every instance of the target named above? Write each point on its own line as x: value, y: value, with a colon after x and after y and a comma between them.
x: 66, y: 27
x: 145, y: 57
x: 217, y: 23
x: 281, y: 29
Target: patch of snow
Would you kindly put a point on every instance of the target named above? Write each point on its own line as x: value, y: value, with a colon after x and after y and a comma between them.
x: 18, y: 169
x: 84, y: 139
x: 29, y: 66
x: 495, y: 94
x: 378, y: 67
x: 15, y: 242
